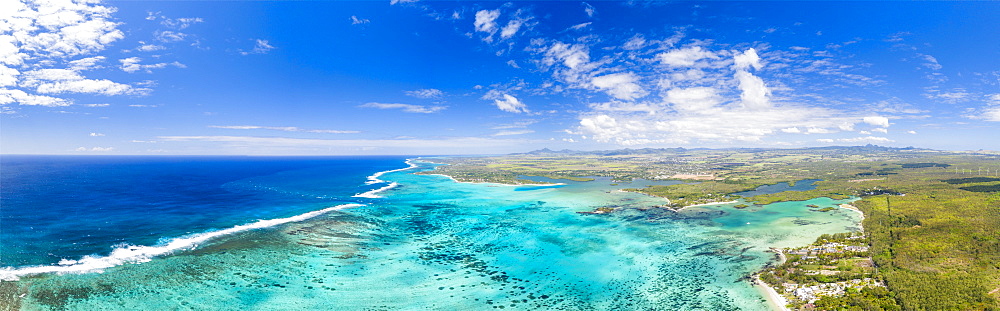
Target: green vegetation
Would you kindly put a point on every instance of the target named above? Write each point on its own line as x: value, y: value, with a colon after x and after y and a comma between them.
x: 834, y: 273
x: 931, y: 216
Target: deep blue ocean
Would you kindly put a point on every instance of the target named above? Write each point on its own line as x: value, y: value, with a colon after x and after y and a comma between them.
x: 66, y: 207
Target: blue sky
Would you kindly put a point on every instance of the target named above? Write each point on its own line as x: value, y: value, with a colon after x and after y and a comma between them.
x: 437, y: 77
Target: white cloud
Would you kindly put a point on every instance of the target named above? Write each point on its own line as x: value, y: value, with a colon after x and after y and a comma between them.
x: 95, y: 149
x: 44, y: 47
x: 911, y: 132
x: 880, y: 130
x: 280, y: 128
x: 748, y: 59
x: 754, y: 94
x: 930, y: 62
x: 868, y: 139
x: 637, y: 42
x: 954, y: 96
x: 791, y: 130
x: 686, y: 57
x: 625, y: 107
x: 510, y: 103
x: 150, y: 48
x: 695, y: 99
x: 181, y: 23
x: 262, y: 47
x: 86, y: 63
x: 23, y: 98
x: 991, y: 112
x: 877, y: 121
x: 511, y: 29
x: 132, y: 65
x: 515, y: 125
x: 589, y: 9
x: 619, y: 85
x: 425, y: 93
x: 58, y: 81
x: 573, y: 56
x: 486, y: 21
x: 405, y: 107
x: 94, y: 134
x: 513, y: 132
x: 394, y: 2
x: 355, y: 20
x: 58, y: 28
x: 580, y: 26
x: 170, y: 36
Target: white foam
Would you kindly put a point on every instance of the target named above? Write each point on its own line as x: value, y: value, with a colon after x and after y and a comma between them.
x: 374, y: 179
x: 373, y: 194
x: 138, y: 254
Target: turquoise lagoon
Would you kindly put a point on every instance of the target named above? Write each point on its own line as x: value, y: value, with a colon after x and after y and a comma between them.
x: 431, y: 243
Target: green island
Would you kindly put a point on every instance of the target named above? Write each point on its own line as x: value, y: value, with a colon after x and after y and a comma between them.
x: 930, y: 239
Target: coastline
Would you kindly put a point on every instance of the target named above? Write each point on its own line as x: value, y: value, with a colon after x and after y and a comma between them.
x: 861, y: 226
x: 776, y: 300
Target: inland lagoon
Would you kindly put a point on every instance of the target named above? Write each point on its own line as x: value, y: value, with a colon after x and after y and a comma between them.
x: 330, y: 233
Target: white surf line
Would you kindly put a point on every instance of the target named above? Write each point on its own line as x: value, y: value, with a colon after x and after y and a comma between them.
x: 373, y: 194
x: 139, y: 254
x: 374, y: 178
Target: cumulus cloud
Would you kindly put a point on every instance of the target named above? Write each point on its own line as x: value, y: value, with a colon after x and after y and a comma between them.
x: 94, y: 134
x: 754, y: 94
x: 425, y: 93
x: 405, y: 107
x: 686, y: 57
x: 877, y: 121
x: 18, y: 96
x: 708, y: 113
x: 509, y: 103
x: 58, y: 81
x: 486, y: 21
x: 512, y: 27
x: 619, y: 85
x: 280, y: 128
x: 45, y: 48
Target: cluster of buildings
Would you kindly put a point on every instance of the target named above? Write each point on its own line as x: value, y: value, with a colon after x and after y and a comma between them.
x: 826, y: 248
x: 812, y: 293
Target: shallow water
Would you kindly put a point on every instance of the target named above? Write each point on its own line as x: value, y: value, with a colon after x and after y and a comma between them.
x: 432, y: 243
